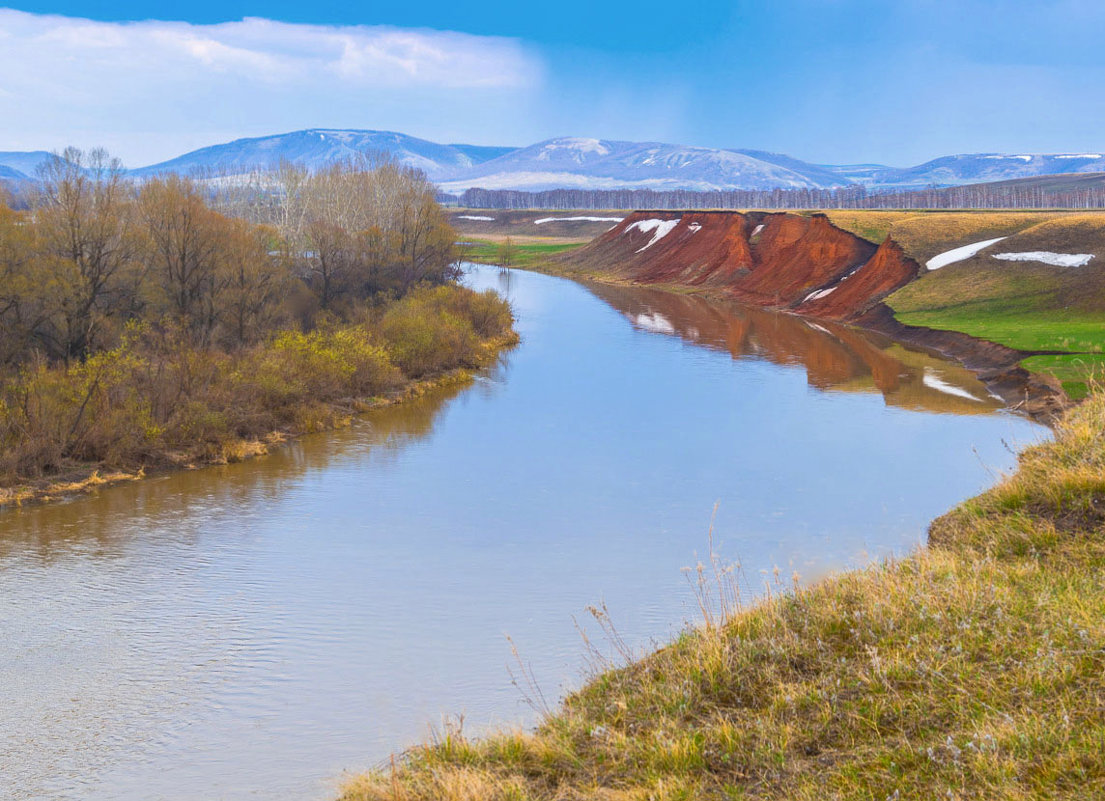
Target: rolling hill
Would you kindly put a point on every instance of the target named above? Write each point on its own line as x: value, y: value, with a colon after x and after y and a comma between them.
x: 319, y: 147
x: 983, y: 168
x: 577, y: 162
x: 24, y: 163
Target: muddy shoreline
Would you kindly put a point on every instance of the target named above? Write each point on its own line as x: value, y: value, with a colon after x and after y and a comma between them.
x: 1039, y: 396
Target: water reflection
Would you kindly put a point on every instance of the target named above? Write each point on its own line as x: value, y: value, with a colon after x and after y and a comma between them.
x: 99, y: 525
x: 836, y: 357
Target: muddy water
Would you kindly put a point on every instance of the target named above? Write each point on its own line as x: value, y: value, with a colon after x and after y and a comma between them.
x: 254, y: 630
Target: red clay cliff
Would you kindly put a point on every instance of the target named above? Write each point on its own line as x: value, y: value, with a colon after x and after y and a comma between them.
x: 778, y: 260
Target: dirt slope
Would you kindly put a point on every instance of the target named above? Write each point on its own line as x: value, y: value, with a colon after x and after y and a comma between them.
x: 778, y: 260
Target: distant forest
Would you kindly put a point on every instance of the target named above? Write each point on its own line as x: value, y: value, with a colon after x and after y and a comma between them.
x: 1047, y: 193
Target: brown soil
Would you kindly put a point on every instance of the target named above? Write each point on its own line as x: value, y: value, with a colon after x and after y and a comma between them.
x: 773, y: 260
x: 853, y: 296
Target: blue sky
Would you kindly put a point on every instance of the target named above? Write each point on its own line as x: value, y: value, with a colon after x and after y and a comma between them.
x: 838, y: 81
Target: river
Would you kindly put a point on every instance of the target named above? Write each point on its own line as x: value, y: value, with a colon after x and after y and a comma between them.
x: 254, y: 630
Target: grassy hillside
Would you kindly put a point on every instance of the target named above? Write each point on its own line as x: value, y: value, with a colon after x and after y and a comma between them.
x: 973, y: 669
x: 1025, y: 305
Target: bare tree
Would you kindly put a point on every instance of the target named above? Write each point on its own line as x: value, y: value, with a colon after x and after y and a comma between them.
x: 84, y: 221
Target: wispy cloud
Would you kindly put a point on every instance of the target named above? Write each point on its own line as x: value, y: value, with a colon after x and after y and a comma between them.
x: 63, y: 75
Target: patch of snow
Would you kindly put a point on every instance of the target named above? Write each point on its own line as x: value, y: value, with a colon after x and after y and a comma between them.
x: 655, y: 322
x: 544, y: 220
x: 475, y: 217
x: 820, y: 293
x: 1022, y: 158
x: 578, y: 145
x: 933, y: 381
x: 1047, y: 257
x: 959, y: 254
x: 1080, y: 156
x: 694, y: 227
x: 820, y: 328
x: 757, y: 229
x: 661, y: 227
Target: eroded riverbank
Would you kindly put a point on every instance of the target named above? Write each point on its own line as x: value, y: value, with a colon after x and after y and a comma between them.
x: 802, y: 265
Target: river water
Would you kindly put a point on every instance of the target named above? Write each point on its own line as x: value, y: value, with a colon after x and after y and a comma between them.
x: 255, y: 630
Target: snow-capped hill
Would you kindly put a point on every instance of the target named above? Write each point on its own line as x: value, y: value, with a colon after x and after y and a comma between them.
x: 571, y: 162
x: 823, y: 176
x: 571, y: 149
x: 856, y: 173
x: 320, y: 147
x: 972, y: 168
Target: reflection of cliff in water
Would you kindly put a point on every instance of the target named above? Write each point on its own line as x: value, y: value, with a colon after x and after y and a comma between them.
x: 836, y: 357
x: 96, y: 521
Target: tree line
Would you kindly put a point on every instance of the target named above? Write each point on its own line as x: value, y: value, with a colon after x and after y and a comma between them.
x: 974, y: 196
x: 225, y: 261
x: 145, y: 323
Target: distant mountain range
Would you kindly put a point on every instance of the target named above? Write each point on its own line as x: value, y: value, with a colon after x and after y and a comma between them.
x: 575, y: 162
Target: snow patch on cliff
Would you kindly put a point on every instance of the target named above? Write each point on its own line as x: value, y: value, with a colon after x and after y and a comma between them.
x: 820, y: 293
x: 661, y: 227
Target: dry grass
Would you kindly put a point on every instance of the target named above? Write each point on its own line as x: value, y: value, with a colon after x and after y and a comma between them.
x: 972, y: 669
x: 927, y: 235
x: 924, y: 234
x: 873, y: 226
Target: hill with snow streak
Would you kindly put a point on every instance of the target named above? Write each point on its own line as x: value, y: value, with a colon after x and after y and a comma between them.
x: 583, y: 163
x: 974, y: 168
x: 320, y: 147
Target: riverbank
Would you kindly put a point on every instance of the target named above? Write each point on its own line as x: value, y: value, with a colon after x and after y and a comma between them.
x: 973, y: 669
x: 85, y: 479
x: 151, y: 406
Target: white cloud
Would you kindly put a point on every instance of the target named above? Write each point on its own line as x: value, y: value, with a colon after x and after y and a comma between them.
x: 73, y: 77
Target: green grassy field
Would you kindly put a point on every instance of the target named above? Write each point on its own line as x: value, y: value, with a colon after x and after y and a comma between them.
x: 1022, y: 325
x: 1024, y: 305
x: 527, y: 254
x: 974, y: 669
